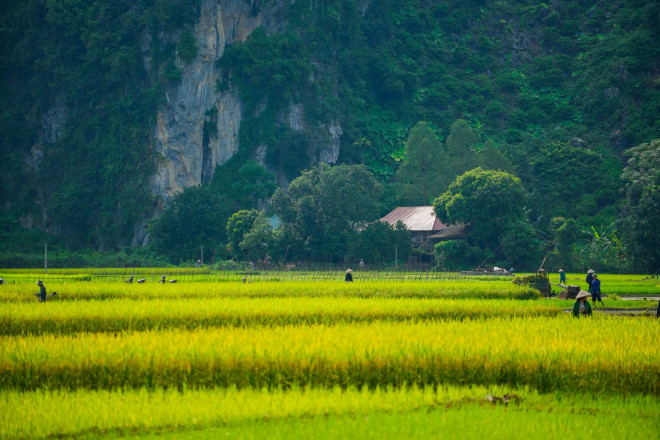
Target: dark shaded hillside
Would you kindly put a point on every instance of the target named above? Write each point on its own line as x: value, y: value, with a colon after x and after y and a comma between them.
x: 76, y: 105
x: 561, y: 88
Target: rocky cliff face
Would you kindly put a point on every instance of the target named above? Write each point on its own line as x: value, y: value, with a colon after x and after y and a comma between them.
x: 188, y: 156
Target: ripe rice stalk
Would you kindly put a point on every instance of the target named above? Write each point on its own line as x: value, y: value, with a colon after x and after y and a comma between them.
x: 542, y: 353
x: 122, y: 315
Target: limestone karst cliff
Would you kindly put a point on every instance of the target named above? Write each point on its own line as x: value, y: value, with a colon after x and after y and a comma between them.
x: 110, y: 109
x: 187, y: 156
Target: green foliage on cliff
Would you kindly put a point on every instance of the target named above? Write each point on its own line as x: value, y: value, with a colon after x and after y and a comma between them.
x: 549, y: 85
x: 641, y: 214
x: 553, y: 93
x: 75, y: 71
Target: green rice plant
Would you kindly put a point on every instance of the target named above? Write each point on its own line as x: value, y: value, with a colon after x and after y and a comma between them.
x: 65, y: 317
x: 460, y: 423
x: 107, y: 271
x: 612, y: 284
x: 205, y: 274
x: 610, y: 304
x: 312, y: 413
x: 618, y: 284
x: 413, y: 289
x: 543, y: 353
x: 150, y: 275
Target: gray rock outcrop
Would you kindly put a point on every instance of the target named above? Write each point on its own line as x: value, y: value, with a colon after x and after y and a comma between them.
x: 187, y: 156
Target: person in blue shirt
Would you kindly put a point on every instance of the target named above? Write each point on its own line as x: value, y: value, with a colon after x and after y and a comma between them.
x: 562, y: 276
x: 590, y: 275
x: 595, y: 290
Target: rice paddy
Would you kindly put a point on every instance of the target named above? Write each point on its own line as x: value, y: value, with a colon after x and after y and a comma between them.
x: 642, y: 285
x: 381, y: 357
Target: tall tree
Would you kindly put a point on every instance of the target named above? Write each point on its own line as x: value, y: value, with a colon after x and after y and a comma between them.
x: 258, y: 241
x: 488, y: 200
x: 195, y: 218
x: 462, y: 147
x: 381, y: 242
x: 244, y: 181
x: 570, y: 181
x: 566, y: 236
x: 238, y: 225
x: 491, y: 158
x: 640, y: 216
x: 425, y: 173
x: 326, y: 205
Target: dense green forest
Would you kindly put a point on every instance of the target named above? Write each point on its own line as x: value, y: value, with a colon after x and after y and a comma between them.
x: 553, y: 93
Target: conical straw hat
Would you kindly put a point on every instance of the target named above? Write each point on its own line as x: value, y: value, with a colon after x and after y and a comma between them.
x: 582, y: 294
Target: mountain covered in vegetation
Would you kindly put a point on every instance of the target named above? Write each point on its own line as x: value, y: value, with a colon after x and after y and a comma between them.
x: 116, y: 112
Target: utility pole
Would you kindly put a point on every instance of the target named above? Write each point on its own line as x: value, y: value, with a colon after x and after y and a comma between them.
x: 45, y: 257
x: 396, y: 256
x: 202, y: 259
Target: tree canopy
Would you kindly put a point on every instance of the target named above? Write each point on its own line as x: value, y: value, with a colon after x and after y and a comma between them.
x: 425, y: 173
x: 196, y: 217
x: 381, y: 243
x: 238, y: 225
x: 551, y: 92
x: 640, y: 216
x: 488, y: 200
x: 326, y: 205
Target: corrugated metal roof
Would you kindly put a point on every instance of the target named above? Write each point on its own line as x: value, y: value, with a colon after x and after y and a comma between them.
x: 459, y: 230
x: 416, y: 218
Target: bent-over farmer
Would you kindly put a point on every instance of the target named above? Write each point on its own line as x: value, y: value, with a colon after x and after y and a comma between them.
x: 581, y: 306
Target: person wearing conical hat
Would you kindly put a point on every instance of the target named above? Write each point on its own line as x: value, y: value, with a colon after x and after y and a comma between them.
x: 42, y: 292
x: 590, y: 274
x: 349, y: 276
x: 581, y: 306
x: 562, y: 276
x: 41, y: 296
x: 595, y: 290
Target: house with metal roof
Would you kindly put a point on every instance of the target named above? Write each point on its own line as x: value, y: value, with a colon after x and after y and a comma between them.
x: 425, y: 227
x: 420, y: 221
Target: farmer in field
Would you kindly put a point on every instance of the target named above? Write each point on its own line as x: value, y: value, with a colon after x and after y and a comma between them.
x: 348, y: 276
x: 581, y: 306
x: 590, y: 275
x: 595, y: 290
x: 562, y: 276
x: 42, y: 292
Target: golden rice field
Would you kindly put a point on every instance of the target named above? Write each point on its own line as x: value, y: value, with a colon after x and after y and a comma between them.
x: 375, y: 359
x: 22, y: 292
x: 124, y: 315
